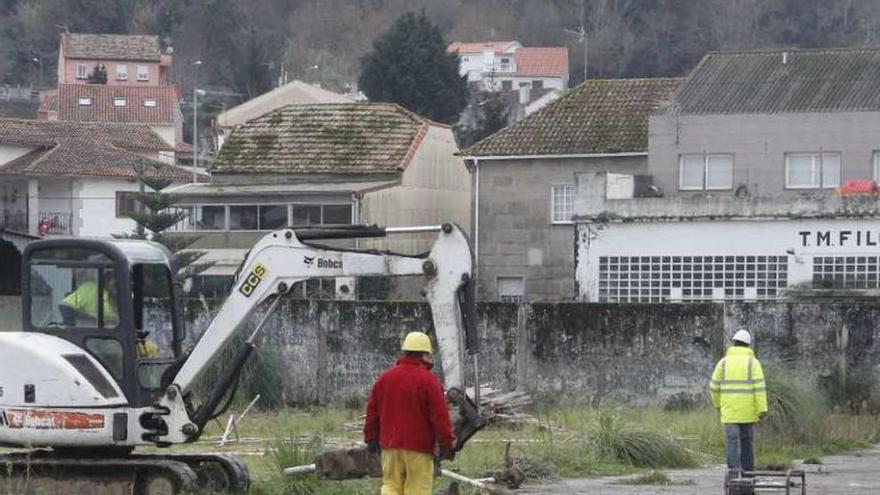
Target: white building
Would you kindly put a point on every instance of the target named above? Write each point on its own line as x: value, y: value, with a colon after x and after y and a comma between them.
x: 720, y: 248
x: 75, y: 178
x: 507, y: 65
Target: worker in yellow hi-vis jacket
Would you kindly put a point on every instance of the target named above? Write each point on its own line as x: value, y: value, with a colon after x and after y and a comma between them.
x: 740, y: 395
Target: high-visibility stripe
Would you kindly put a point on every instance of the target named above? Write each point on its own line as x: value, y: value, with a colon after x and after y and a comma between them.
x: 742, y: 390
x: 738, y: 382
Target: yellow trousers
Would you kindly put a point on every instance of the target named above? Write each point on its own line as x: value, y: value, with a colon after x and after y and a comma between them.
x: 405, y: 472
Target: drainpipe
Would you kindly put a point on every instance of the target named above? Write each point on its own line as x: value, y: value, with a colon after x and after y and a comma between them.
x: 476, y: 224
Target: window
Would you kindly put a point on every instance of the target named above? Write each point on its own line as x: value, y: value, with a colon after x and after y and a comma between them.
x: 150, y: 103
x: 704, y: 171
x: 336, y: 215
x: 85, y: 102
x: 273, y: 217
x: 562, y: 203
x: 212, y: 218
x: 654, y: 279
x: 119, y: 102
x: 122, y: 72
x: 126, y: 204
x: 537, y: 84
x: 511, y: 289
x: 846, y: 272
x: 143, y: 73
x: 306, y: 214
x: 506, y: 85
x: 243, y: 217
x: 505, y: 64
x: 72, y: 288
x: 809, y: 170
x: 877, y: 165
x: 82, y: 72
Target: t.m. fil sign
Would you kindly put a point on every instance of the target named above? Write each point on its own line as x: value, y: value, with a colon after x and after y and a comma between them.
x: 743, y: 259
x: 839, y: 238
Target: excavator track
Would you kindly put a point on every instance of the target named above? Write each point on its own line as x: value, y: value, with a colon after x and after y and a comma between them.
x: 44, y: 472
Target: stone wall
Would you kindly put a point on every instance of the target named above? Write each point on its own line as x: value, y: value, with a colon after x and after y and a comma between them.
x: 635, y: 354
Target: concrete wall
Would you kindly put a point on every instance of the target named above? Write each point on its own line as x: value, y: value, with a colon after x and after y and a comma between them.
x: 759, y: 144
x: 516, y: 236
x: 635, y: 354
x: 435, y: 188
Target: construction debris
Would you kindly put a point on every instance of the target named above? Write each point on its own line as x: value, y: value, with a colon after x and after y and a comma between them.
x: 497, y: 407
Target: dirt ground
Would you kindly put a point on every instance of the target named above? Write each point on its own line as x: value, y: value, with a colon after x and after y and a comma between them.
x: 851, y: 474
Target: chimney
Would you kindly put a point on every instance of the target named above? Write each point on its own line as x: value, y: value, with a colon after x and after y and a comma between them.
x: 524, y: 95
x: 784, y: 58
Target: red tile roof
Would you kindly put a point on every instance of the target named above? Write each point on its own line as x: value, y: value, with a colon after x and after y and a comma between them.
x: 541, y: 61
x: 485, y: 46
x: 86, y: 150
x: 111, y: 46
x: 102, y: 108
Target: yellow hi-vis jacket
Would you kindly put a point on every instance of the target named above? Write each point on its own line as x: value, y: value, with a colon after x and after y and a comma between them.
x: 737, y: 387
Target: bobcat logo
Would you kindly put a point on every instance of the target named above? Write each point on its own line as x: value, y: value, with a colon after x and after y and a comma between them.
x: 309, y: 260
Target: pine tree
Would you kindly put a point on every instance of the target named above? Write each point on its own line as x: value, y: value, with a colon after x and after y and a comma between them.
x: 154, y: 216
x: 409, y: 65
x: 491, y: 118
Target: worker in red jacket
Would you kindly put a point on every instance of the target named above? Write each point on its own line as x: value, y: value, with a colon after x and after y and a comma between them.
x: 408, y: 421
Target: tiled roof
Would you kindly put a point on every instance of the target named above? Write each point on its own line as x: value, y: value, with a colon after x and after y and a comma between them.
x: 292, y: 93
x: 325, y: 138
x: 599, y: 116
x: 137, y: 106
x: 485, y: 46
x: 46, y: 133
x: 773, y: 81
x: 111, y: 46
x: 83, y: 149
x: 541, y: 61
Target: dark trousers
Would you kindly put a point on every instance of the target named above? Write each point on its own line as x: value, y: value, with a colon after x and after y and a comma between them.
x: 740, y: 446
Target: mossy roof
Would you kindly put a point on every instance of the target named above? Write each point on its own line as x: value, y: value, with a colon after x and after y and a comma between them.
x: 324, y: 138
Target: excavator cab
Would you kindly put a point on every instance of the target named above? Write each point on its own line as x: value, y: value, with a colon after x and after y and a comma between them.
x: 115, y: 299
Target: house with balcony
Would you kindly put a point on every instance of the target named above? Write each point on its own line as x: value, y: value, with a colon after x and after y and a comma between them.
x: 509, y: 66
x: 116, y: 78
x: 74, y: 178
x: 326, y: 164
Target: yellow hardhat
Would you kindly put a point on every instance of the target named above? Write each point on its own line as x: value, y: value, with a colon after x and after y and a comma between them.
x: 417, y: 342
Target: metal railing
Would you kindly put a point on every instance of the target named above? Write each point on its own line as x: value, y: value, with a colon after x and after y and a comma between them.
x: 58, y: 222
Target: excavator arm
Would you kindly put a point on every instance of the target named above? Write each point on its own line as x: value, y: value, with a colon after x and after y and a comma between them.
x: 284, y: 258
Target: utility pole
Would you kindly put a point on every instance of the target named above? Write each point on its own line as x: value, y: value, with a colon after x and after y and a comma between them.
x: 195, y: 138
x: 584, y: 35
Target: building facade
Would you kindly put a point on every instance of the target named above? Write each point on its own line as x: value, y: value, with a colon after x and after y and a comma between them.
x: 508, y: 66
x: 770, y: 123
x: 524, y: 183
x: 692, y: 249
x: 63, y: 178
x: 325, y: 164
x: 116, y: 78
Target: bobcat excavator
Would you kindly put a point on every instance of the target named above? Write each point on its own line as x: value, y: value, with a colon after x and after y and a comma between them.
x: 100, y: 369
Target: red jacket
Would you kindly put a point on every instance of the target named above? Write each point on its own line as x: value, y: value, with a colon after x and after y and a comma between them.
x: 407, y: 409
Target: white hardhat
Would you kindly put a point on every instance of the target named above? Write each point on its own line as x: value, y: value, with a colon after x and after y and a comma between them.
x: 743, y: 335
